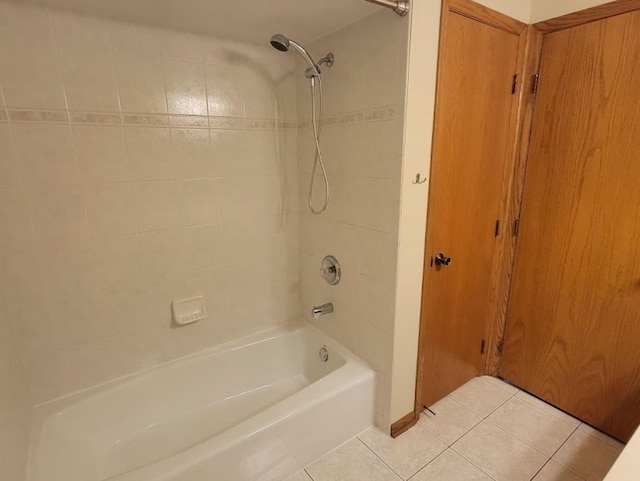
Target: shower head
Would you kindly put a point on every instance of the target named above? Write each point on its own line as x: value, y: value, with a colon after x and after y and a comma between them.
x: 282, y: 43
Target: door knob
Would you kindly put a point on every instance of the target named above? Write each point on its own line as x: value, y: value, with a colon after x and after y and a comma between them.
x: 442, y: 260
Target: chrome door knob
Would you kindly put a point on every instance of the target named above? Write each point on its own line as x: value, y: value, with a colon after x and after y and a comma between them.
x: 442, y: 260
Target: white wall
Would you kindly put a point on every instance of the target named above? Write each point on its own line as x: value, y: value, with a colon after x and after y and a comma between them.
x: 546, y: 9
x: 518, y: 9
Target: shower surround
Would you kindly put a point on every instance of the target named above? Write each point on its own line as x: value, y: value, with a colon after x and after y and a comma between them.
x: 362, y: 142
x: 140, y: 165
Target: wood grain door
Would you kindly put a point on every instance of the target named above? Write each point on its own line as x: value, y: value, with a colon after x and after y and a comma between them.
x: 472, y: 139
x: 573, y: 329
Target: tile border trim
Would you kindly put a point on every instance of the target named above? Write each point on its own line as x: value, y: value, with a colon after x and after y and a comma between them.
x: 185, y: 121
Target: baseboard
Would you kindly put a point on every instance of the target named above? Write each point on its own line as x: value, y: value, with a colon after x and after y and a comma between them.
x: 403, y: 424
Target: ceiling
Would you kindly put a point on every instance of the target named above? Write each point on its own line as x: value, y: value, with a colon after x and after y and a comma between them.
x: 243, y: 20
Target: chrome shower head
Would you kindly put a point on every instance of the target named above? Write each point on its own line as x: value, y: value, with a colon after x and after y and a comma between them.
x: 282, y: 43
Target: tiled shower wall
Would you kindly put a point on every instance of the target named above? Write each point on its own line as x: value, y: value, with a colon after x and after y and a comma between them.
x: 14, y: 405
x: 138, y: 165
x: 361, y: 140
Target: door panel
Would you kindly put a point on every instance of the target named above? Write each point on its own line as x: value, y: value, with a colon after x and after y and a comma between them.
x: 471, y: 135
x: 573, y: 330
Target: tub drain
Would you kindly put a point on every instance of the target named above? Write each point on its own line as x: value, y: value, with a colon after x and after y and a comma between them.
x: 324, y: 354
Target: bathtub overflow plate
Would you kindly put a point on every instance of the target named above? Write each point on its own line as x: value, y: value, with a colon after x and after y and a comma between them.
x: 324, y: 354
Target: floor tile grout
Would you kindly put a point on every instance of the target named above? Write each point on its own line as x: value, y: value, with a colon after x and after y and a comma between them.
x: 473, y: 464
x: 376, y: 455
x: 481, y: 419
x: 559, y: 448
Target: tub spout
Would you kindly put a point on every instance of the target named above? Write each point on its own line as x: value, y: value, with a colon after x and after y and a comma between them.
x: 318, y: 311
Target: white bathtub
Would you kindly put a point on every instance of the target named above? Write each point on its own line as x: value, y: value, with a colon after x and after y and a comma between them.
x: 256, y: 409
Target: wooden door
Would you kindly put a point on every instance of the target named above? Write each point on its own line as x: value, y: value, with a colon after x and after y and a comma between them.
x: 573, y: 329
x: 475, y: 111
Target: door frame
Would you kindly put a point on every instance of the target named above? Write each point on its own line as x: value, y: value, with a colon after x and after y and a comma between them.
x: 480, y: 13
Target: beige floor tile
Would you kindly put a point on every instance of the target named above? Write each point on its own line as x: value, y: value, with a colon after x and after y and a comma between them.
x: 352, y: 461
x: 497, y: 382
x: 406, y: 454
x: 451, y: 421
x: 587, y: 456
x: 498, y: 454
x: 299, y: 476
x: 531, y: 425
x: 585, y: 428
x: 553, y: 471
x: 548, y: 408
x: 450, y: 466
x: 480, y: 396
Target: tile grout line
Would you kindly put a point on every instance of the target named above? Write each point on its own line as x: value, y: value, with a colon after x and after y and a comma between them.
x: 376, y: 455
x: 556, y: 452
x: 480, y: 422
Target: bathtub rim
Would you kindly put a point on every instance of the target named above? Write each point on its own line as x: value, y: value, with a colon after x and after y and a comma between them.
x: 42, y: 411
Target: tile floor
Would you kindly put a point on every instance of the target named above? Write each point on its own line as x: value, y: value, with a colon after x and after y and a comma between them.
x: 486, y: 430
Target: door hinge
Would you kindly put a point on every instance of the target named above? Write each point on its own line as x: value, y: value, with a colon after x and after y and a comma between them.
x: 514, y: 85
x: 534, y: 84
x: 516, y: 227
x: 483, y: 346
x: 497, y: 231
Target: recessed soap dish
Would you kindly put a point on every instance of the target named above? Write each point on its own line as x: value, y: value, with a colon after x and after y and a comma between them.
x: 187, y: 311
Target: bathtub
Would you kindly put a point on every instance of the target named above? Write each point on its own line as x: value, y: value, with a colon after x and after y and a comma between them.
x: 259, y: 408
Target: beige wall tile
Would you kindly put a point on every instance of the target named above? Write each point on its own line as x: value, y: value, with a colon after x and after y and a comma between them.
x: 224, y: 90
x: 157, y: 206
x: 86, y: 59
x: 117, y: 259
x: 185, y: 84
x: 10, y: 174
x: 150, y: 153
x: 115, y: 222
x: 198, y: 201
x: 182, y: 45
x: 30, y: 74
x: 259, y: 95
x: 46, y: 153
x: 193, y: 154
x: 111, y: 209
x: 102, y: 153
x: 141, y: 84
x: 134, y: 39
x: 138, y: 67
x: 14, y: 442
x: 59, y: 216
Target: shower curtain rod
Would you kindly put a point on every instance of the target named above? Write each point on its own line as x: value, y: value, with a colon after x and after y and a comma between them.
x: 401, y: 7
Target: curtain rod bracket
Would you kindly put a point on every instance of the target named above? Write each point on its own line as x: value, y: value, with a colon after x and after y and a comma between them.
x: 401, y: 7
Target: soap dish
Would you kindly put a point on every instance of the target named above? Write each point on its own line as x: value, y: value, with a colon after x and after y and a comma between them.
x: 187, y: 311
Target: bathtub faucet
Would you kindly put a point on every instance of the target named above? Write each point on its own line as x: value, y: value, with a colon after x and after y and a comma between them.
x: 318, y: 311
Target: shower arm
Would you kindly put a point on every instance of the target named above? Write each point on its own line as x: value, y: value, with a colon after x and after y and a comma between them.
x: 401, y: 7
